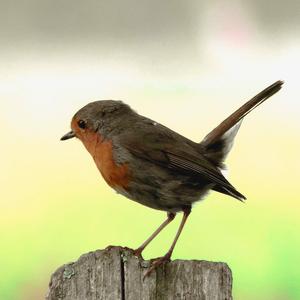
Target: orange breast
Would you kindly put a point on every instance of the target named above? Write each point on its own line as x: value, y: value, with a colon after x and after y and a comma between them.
x: 115, y: 175
x: 102, y: 151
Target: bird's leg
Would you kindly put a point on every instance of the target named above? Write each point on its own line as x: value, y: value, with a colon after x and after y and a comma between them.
x: 167, y: 256
x: 169, y: 219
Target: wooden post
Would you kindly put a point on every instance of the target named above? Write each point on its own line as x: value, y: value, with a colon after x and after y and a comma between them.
x: 116, y: 274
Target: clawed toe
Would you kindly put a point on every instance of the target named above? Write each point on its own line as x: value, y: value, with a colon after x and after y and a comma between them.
x: 156, y: 262
x: 138, y: 253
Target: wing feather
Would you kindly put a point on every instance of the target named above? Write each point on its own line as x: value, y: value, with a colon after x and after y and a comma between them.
x: 164, y: 147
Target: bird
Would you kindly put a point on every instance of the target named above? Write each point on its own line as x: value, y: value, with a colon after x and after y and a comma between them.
x: 155, y: 166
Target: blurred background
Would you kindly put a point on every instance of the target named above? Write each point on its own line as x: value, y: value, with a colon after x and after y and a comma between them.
x: 186, y: 64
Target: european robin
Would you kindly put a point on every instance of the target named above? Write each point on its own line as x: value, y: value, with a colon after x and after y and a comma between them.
x: 155, y: 166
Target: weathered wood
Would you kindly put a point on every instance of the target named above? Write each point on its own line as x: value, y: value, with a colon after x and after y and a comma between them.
x: 116, y: 274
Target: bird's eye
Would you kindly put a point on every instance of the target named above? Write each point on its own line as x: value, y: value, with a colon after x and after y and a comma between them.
x: 81, y: 124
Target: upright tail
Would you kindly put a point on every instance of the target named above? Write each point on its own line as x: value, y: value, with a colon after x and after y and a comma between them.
x: 219, y: 141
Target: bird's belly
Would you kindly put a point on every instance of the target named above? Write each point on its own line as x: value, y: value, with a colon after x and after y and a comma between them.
x: 163, y: 189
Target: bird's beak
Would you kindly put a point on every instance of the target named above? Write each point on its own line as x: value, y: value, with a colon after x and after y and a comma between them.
x: 67, y: 136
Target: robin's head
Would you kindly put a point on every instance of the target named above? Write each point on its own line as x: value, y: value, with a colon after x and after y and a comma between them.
x: 99, y: 116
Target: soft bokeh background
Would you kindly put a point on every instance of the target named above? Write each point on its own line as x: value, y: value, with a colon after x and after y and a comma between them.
x: 186, y: 64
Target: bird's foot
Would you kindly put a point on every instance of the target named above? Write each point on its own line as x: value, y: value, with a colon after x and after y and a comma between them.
x: 156, y: 262
x: 138, y: 252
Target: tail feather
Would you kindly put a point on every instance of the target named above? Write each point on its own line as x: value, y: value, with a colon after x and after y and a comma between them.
x: 219, y: 141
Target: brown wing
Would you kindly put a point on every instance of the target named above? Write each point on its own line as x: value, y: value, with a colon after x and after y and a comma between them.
x: 170, y: 150
x: 204, y: 170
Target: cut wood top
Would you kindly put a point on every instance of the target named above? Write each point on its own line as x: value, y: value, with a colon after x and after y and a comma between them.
x: 116, y: 274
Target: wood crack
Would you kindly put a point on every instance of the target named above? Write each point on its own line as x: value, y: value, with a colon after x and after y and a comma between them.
x: 122, y: 265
